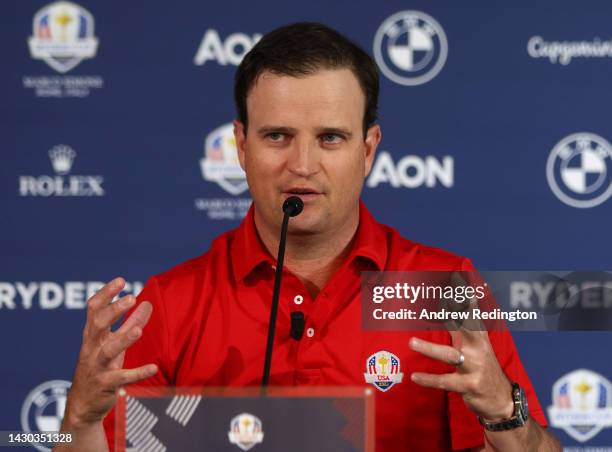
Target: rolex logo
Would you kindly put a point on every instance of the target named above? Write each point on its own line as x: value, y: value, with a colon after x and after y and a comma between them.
x: 61, y: 184
x: 62, y: 157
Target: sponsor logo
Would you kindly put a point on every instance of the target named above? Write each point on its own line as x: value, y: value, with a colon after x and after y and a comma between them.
x: 245, y: 431
x: 63, y: 36
x: 53, y: 295
x: 43, y: 409
x: 582, y: 404
x: 579, y: 170
x: 230, y: 51
x: 410, y: 48
x: 383, y: 370
x: 412, y: 171
x: 62, y: 157
x: 563, y: 52
x: 220, y: 165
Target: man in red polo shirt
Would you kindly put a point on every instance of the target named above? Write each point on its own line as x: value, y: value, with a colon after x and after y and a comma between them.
x: 306, y: 100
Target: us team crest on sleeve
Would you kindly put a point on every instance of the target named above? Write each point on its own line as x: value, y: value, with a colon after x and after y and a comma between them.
x: 383, y: 370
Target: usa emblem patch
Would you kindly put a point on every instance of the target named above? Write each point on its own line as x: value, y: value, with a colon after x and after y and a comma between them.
x: 383, y: 370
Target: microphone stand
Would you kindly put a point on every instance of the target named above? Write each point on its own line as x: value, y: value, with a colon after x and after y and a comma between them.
x: 291, y: 207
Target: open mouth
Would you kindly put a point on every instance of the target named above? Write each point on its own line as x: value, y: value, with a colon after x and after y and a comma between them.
x: 306, y: 194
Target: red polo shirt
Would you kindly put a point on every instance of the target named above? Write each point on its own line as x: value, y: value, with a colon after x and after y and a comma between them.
x: 210, y: 321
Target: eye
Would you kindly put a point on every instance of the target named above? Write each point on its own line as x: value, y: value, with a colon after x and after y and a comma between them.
x: 275, y: 136
x: 331, y: 138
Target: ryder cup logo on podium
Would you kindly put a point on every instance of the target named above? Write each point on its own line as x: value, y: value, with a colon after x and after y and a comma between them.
x: 63, y: 36
x: 43, y: 409
x: 579, y: 170
x: 410, y: 48
x: 383, y: 370
x: 582, y: 404
x: 245, y: 431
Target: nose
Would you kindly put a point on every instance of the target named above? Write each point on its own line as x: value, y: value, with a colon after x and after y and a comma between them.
x: 304, y: 158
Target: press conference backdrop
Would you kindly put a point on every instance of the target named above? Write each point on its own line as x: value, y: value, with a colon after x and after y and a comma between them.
x: 118, y: 159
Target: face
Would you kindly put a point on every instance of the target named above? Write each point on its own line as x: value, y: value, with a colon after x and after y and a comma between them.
x: 305, y: 138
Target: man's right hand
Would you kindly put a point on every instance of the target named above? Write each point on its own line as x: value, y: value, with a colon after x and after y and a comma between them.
x: 99, y: 372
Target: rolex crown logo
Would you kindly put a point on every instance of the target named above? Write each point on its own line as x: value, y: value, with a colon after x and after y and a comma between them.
x: 62, y: 157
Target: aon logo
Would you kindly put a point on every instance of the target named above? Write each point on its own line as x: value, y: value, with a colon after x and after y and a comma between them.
x: 412, y: 171
x: 231, y: 51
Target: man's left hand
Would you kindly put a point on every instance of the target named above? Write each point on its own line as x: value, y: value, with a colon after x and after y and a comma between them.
x: 479, y: 378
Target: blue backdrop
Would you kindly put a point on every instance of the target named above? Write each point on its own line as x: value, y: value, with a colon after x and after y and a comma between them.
x: 115, y: 160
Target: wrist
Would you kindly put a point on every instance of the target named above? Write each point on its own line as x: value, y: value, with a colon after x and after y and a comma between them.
x: 503, y: 408
x: 505, y: 412
x: 518, y: 418
x: 75, y: 422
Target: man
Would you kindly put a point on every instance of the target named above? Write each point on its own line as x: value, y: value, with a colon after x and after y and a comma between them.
x: 306, y: 100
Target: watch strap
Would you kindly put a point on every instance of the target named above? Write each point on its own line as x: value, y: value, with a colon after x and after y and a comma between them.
x: 519, y: 416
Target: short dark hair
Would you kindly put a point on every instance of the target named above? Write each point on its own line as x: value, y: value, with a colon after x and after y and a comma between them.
x: 302, y: 49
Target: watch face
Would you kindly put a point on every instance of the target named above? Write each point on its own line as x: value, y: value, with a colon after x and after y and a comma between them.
x: 524, y: 404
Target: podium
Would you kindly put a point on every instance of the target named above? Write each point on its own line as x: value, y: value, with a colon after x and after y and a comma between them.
x: 296, y: 419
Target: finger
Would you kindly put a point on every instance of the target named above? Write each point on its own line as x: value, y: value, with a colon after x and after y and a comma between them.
x: 448, y: 382
x: 103, y: 319
x: 122, y: 377
x: 472, y: 333
x: 114, y: 346
x: 105, y: 295
x: 139, y: 317
x: 444, y: 353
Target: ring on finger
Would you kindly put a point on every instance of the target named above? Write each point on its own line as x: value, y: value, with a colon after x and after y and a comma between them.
x: 460, y: 360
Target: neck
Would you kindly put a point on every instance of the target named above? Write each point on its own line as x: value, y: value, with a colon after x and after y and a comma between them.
x: 313, y: 258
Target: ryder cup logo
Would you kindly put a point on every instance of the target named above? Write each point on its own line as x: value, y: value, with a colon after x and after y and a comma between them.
x: 582, y: 404
x: 383, y: 370
x: 245, y: 431
x: 410, y: 48
x: 63, y: 36
x: 43, y: 409
x: 579, y: 170
x: 220, y: 163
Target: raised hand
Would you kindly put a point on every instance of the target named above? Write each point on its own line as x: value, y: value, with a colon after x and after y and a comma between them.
x: 479, y: 378
x: 99, y: 371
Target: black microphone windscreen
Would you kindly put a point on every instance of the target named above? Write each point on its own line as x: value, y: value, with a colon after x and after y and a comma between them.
x: 293, y: 206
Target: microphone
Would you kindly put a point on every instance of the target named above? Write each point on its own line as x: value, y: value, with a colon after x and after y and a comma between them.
x: 298, y: 322
x: 291, y: 207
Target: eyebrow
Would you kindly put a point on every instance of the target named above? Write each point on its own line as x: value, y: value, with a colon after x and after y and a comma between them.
x: 336, y: 130
x: 290, y: 130
x: 275, y: 129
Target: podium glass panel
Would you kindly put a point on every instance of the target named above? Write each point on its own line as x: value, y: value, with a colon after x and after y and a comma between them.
x: 296, y: 419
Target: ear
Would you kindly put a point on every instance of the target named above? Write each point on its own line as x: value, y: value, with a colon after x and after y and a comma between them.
x: 373, y: 137
x: 240, y: 137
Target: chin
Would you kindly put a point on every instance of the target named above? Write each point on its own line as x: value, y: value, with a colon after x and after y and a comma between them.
x: 304, y: 225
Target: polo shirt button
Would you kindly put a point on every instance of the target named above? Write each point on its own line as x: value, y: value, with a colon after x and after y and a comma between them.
x: 298, y: 299
x: 310, y: 332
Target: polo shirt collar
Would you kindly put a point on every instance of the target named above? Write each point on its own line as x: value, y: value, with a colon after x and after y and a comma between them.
x: 247, y: 250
